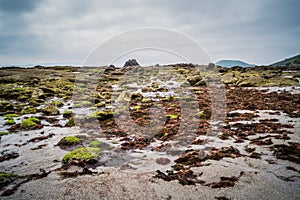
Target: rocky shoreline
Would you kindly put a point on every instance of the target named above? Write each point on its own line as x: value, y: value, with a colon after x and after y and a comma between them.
x: 63, y: 135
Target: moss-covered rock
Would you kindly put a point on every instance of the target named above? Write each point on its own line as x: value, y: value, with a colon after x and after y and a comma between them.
x: 72, y: 139
x: 6, y: 178
x: 70, y: 123
x: 147, y: 100
x: 103, y: 115
x: 195, y: 80
x: 10, y: 121
x: 171, y: 116
x: 50, y: 110
x: 69, y: 141
x: 57, y: 103
x: 230, y: 78
x: 95, y: 143
x: 38, y: 93
x: 83, y: 153
x: 30, y: 122
x: 23, y: 98
x: 11, y: 115
x: 33, y: 102
x: 5, y: 106
x: 4, y: 133
x: 28, y: 110
x: 68, y: 114
x: 83, y: 104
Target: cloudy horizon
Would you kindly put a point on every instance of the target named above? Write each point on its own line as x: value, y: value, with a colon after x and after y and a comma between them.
x: 259, y: 32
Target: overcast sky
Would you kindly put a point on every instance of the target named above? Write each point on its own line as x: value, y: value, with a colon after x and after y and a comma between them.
x: 56, y: 31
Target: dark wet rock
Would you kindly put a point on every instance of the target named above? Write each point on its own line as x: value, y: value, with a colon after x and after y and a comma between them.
x: 262, y: 142
x: 232, y: 117
x: 8, y: 156
x: 222, y: 198
x: 40, y: 138
x: 289, y: 152
x: 249, y: 149
x: 131, y: 62
x: 225, y: 182
x: 268, y: 120
x: 6, y: 179
x: 20, y: 180
x: 138, y: 143
x: 39, y: 147
x: 184, y: 177
x: 191, y: 158
x: 217, y: 154
x: 85, y: 171
x: 250, y: 99
x: 243, y: 130
x: 255, y: 155
x: 163, y: 161
x: 5, y: 106
x: 293, y: 169
x: 198, y: 142
x: 109, y: 69
x: 282, y: 137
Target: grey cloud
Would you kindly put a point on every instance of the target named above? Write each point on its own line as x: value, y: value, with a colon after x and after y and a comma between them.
x: 256, y: 31
x: 17, y: 6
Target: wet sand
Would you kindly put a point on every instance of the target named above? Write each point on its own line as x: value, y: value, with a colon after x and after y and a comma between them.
x: 252, y: 157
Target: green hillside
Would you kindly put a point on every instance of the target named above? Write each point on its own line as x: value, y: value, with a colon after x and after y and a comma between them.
x: 288, y: 61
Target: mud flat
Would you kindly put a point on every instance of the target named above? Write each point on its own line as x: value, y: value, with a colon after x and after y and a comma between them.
x: 146, y: 133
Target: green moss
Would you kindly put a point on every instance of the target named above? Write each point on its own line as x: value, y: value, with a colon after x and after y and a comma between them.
x: 57, y: 103
x: 10, y: 121
x: 86, y: 103
x: 4, y: 105
x: 34, y: 102
x: 146, y: 100
x: 23, y: 98
x: 7, y: 175
x: 4, y: 133
x: 67, y: 114
x: 101, y: 104
x: 71, y: 123
x: 50, y: 110
x: 173, y: 116
x: 167, y: 99
x: 93, y: 108
x: 95, y: 143
x: 28, y: 110
x: 11, y: 115
x: 83, y: 153
x: 137, y: 107
x: 102, y: 115
x: 115, y: 142
x: 72, y: 139
x: 201, y: 113
x: 30, y: 122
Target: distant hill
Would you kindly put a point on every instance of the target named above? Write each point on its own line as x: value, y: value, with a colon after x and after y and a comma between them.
x: 233, y: 63
x: 288, y: 61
